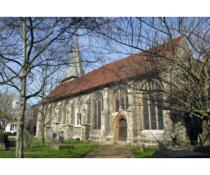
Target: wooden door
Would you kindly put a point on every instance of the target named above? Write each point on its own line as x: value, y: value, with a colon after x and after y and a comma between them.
x: 122, y: 130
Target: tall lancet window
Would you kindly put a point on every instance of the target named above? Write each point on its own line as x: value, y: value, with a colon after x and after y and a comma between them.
x: 121, y: 100
x: 152, y: 102
x: 72, y: 118
x: 77, y: 118
x: 89, y: 111
x: 98, y: 107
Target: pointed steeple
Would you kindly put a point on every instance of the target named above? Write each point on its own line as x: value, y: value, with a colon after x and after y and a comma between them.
x: 75, y: 68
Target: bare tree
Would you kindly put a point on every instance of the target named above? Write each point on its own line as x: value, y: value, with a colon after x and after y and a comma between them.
x: 41, y: 111
x: 186, y: 88
x: 6, y: 109
x: 28, y: 47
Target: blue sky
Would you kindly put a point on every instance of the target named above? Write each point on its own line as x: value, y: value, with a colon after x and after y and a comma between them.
x: 97, y: 49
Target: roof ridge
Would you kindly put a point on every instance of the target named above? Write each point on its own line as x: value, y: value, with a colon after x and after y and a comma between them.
x: 141, y: 53
x: 106, y: 74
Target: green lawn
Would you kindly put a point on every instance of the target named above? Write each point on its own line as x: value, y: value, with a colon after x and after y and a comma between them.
x: 80, y: 149
x: 146, y: 153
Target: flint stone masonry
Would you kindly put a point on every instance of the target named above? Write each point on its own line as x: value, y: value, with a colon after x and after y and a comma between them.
x: 91, y: 106
x: 136, y: 134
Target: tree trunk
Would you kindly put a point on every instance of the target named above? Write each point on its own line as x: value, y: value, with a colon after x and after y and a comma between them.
x: 42, y: 133
x: 20, y: 128
x: 205, y: 133
x: 203, y: 137
x: 22, y: 109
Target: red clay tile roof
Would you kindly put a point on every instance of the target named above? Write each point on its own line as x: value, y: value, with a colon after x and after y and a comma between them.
x: 128, y: 67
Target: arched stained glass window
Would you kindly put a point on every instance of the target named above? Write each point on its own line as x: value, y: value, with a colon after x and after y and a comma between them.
x: 89, y: 112
x: 153, y: 113
x: 78, y: 119
x: 98, y: 107
x: 117, y: 103
x: 72, y: 114
x: 121, y: 100
x: 146, y: 111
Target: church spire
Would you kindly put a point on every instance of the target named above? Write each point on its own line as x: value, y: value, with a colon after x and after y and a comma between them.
x: 75, y: 68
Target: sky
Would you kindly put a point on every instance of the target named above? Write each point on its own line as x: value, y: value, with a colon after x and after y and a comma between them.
x: 94, y: 49
x: 90, y: 50
x: 98, y: 51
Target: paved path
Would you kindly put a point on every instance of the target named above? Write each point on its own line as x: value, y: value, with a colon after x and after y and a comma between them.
x: 111, y: 151
x: 123, y: 151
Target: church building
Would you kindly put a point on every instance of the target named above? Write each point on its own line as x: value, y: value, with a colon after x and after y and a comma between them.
x: 106, y: 104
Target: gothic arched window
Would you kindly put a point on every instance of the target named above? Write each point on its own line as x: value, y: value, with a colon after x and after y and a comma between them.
x: 89, y: 111
x: 72, y: 114
x: 153, y: 113
x: 67, y: 116
x: 77, y: 118
x: 121, y: 100
x: 59, y: 114
x: 117, y: 103
x: 98, y: 107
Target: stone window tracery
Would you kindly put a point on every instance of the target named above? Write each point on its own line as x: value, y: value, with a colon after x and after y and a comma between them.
x: 121, y: 100
x: 72, y: 114
x: 152, y: 111
x: 77, y: 118
x: 98, y: 107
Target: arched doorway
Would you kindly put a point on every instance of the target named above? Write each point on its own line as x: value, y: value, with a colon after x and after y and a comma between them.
x: 120, y: 129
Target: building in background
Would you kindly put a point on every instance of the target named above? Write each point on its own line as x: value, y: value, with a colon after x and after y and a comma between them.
x: 11, y: 126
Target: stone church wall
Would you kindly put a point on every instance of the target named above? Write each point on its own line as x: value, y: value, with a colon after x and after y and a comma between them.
x: 63, y: 121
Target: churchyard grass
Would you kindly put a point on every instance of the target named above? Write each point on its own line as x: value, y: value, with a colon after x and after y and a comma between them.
x: 139, y: 152
x: 79, y: 149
